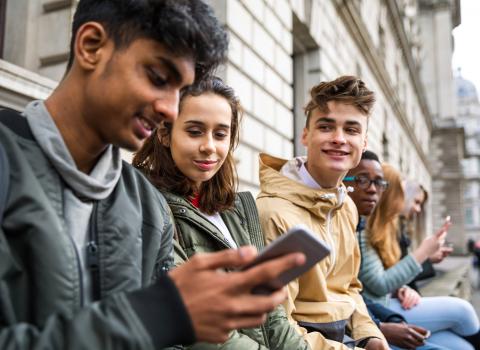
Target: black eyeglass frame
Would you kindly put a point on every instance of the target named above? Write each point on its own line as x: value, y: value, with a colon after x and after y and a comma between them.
x: 364, y: 182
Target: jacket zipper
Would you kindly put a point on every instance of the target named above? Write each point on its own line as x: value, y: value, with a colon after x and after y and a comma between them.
x: 332, y: 242
x: 93, y: 262
x: 340, y: 197
x: 182, y: 212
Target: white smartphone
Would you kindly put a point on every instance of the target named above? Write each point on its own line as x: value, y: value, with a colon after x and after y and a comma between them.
x: 299, y: 239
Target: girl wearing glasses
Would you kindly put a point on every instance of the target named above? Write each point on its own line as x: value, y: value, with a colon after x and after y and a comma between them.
x: 385, y: 274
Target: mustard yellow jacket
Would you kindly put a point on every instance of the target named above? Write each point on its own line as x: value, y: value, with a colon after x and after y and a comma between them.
x: 330, y: 291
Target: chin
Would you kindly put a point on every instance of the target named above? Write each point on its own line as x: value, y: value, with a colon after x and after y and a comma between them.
x: 129, y: 145
x: 366, y: 212
x: 340, y: 169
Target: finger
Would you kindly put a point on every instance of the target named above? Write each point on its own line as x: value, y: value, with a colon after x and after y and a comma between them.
x: 441, y: 235
x: 255, y: 305
x: 408, y: 301
x: 416, y: 335
x: 228, y: 258
x: 269, y: 270
x: 412, y: 302
x: 446, y: 250
x: 418, y: 329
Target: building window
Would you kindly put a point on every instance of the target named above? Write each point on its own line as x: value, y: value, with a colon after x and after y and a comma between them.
x: 469, y: 216
x: 306, y: 74
x: 385, y: 153
x: 381, y: 42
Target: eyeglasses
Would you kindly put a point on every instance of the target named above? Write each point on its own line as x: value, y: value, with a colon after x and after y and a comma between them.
x: 364, y: 182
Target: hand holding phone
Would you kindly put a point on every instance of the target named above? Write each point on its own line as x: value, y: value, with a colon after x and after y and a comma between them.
x: 298, y: 239
x: 442, y: 232
x: 447, y: 220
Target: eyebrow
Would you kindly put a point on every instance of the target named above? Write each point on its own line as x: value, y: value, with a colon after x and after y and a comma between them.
x: 172, y: 68
x: 366, y: 174
x: 332, y: 120
x: 199, y: 123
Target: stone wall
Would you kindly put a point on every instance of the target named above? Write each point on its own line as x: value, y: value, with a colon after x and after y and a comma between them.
x: 279, y: 49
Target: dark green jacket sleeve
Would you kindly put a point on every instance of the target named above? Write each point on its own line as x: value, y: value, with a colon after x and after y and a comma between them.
x: 281, y: 334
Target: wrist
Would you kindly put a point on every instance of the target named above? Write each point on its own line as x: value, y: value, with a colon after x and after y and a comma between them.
x: 420, y: 255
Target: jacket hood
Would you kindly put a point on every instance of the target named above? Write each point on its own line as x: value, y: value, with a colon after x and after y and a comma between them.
x: 102, y: 179
x: 281, y: 178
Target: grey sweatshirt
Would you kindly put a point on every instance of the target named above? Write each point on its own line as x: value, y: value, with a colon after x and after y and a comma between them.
x: 81, y: 189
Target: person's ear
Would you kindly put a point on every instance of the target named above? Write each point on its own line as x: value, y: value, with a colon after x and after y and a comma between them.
x: 90, y: 42
x: 365, y: 144
x: 305, y: 137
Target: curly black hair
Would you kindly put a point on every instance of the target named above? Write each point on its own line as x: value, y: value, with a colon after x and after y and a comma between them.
x: 184, y: 27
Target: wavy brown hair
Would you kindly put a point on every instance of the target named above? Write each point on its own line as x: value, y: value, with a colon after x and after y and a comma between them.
x: 155, y: 160
x: 346, y: 89
x: 382, y: 225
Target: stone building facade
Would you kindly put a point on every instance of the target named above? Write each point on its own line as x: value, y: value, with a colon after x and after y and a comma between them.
x: 469, y: 118
x: 278, y: 50
x: 437, y: 19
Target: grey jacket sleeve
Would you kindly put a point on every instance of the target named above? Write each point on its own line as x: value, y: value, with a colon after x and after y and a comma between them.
x: 4, y: 180
x: 118, y: 322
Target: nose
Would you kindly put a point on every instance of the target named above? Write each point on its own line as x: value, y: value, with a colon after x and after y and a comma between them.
x: 167, y: 105
x: 371, y: 188
x: 208, y: 145
x: 339, y: 136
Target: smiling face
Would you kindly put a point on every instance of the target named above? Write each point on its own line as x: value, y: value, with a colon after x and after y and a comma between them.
x: 200, y: 137
x: 335, y: 141
x: 131, y: 90
x: 366, y: 198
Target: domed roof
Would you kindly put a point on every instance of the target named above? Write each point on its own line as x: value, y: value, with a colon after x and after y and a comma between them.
x: 466, y: 90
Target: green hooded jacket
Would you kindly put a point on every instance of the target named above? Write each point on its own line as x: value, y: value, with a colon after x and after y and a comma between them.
x: 196, y: 234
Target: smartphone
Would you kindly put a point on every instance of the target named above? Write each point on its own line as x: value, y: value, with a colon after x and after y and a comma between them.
x: 447, y: 219
x: 299, y: 239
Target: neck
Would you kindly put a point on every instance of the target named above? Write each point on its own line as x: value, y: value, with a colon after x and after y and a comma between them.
x: 65, y: 105
x: 330, y: 180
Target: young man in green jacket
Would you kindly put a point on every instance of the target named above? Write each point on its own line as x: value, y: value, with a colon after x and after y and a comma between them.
x: 86, y: 241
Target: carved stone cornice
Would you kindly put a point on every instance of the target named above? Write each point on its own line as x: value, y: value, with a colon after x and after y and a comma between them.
x: 452, y: 5
x: 19, y: 86
x: 350, y: 15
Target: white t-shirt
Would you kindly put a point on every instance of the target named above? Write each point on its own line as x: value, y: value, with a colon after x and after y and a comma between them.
x: 217, y: 220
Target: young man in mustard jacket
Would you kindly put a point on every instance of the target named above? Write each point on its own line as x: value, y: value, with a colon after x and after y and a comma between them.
x: 325, y: 302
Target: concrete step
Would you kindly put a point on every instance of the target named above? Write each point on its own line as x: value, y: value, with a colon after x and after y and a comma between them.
x: 453, y: 279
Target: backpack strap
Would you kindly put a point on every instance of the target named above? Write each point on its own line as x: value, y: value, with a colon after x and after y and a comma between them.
x: 16, y: 122
x: 253, y: 221
x: 19, y: 125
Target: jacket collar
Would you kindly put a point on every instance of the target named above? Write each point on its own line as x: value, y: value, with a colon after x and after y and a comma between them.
x: 274, y: 184
x: 181, y: 206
